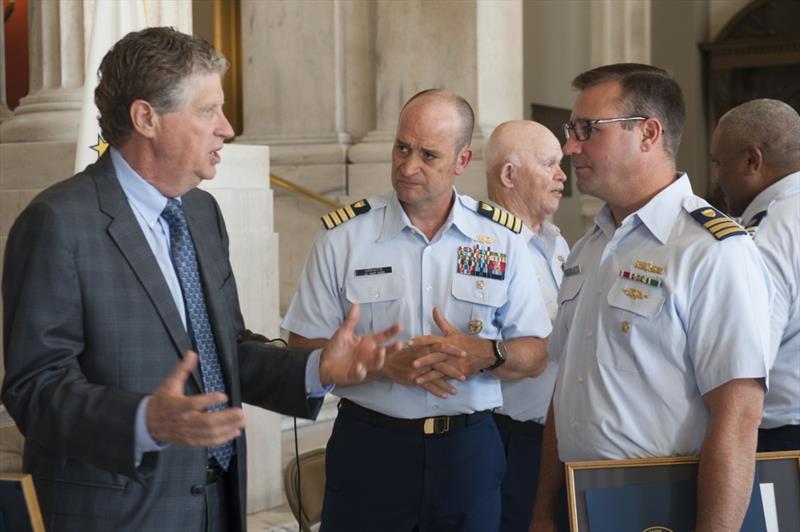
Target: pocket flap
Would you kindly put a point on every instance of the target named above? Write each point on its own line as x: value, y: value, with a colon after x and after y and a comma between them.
x: 636, y: 297
x: 480, y: 290
x: 374, y: 288
x: 570, y: 287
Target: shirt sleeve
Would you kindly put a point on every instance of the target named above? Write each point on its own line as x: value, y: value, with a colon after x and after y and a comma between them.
x: 144, y: 442
x: 777, y: 241
x: 316, y: 309
x: 524, y: 313
x: 728, y: 315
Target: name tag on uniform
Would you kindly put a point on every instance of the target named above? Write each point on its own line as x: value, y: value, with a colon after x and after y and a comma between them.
x: 574, y: 270
x: 373, y: 271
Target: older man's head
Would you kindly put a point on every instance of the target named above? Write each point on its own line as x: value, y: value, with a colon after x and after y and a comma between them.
x: 523, y: 170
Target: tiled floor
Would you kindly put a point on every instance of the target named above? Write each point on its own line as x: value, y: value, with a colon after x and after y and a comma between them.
x: 280, y: 519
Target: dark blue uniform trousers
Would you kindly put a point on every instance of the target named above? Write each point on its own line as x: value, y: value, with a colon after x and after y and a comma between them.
x: 383, y: 479
x: 523, y: 452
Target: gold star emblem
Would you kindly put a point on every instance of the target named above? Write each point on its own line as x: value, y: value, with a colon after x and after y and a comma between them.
x: 101, y: 146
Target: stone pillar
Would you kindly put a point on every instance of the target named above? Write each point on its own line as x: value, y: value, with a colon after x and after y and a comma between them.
x: 5, y: 112
x: 308, y: 90
x: 620, y: 32
x: 471, y: 47
x: 58, y: 40
x: 51, y: 110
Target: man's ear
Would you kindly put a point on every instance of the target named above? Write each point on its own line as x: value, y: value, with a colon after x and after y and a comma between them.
x: 462, y: 159
x: 144, y: 118
x: 651, y: 131
x: 755, y: 158
x: 508, y: 175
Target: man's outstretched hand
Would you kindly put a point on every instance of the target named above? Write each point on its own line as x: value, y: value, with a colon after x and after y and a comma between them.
x: 174, y: 417
x: 348, y: 358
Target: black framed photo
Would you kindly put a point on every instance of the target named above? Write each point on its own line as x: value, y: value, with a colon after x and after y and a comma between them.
x: 19, y: 507
x: 660, y: 494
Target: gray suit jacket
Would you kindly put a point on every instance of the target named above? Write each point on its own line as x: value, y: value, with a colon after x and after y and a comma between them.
x: 90, y: 328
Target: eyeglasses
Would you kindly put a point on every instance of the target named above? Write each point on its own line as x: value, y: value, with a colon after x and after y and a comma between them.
x: 582, y: 127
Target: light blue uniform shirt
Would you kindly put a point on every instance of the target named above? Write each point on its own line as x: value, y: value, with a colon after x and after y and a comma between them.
x: 777, y: 237
x: 635, y: 359
x: 147, y: 204
x: 381, y: 261
x: 528, y: 399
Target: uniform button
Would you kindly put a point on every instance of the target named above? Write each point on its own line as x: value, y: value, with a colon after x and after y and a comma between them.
x: 435, y: 407
x: 599, y: 290
x: 428, y: 288
x: 479, y: 295
x: 197, y: 490
x: 580, y: 380
x: 625, y: 326
x: 376, y: 295
x: 589, y: 333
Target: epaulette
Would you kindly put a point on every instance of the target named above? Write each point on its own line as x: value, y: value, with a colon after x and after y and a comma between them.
x: 500, y: 216
x: 752, y: 225
x: 719, y: 225
x: 339, y: 216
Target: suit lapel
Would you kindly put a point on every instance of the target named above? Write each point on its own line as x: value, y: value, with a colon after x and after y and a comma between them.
x: 126, y: 232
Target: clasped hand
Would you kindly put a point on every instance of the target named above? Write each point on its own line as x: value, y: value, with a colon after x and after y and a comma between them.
x: 431, y: 361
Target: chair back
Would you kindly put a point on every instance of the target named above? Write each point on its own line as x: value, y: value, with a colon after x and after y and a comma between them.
x: 310, y: 489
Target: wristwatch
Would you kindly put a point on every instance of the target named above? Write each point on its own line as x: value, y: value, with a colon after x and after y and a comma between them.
x: 500, y: 354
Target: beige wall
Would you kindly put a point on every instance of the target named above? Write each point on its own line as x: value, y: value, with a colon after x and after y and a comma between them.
x: 678, y: 27
x: 556, y: 48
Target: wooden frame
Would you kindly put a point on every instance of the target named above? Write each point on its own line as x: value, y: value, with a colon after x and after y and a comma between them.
x: 782, y: 469
x: 18, y: 504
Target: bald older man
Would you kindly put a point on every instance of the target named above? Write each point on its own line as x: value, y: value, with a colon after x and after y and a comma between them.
x: 524, y: 176
x: 755, y: 150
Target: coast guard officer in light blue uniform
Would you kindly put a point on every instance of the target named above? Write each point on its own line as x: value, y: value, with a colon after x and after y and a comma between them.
x: 662, y: 334
x: 524, y: 176
x: 416, y: 448
x: 756, y: 154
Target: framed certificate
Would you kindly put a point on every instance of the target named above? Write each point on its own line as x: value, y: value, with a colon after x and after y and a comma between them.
x: 660, y: 494
x: 19, y: 507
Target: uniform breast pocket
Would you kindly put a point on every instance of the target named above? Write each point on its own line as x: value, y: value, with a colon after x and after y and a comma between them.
x: 380, y: 297
x: 634, y: 330
x: 568, y: 293
x: 476, y: 300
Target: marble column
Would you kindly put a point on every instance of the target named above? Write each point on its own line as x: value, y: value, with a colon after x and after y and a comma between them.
x: 58, y: 40
x: 620, y: 32
x: 51, y: 110
x: 471, y: 47
x: 308, y: 90
x: 5, y: 112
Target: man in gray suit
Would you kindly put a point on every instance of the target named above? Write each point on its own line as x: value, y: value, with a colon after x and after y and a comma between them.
x: 113, y: 280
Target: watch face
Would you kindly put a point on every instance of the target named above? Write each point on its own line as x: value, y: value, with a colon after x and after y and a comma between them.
x: 500, y: 351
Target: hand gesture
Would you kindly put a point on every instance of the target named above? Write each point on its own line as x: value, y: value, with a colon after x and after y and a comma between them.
x: 478, y: 351
x: 173, y: 417
x: 348, y: 358
x: 414, y: 365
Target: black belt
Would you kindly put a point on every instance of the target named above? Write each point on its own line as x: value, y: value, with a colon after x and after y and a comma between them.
x: 214, y: 471
x: 426, y: 425
x: 526, y: 427
x: 786, y: 432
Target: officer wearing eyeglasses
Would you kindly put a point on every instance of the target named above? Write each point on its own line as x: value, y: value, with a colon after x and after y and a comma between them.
x: 662, y: 331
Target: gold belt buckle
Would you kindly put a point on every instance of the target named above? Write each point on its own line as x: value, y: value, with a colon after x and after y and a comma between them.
x: 436, y: 425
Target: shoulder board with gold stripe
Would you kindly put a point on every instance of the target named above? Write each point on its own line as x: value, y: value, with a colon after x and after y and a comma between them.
x: 719, y: 225
x: 500, y: 216
x: 339, y: 216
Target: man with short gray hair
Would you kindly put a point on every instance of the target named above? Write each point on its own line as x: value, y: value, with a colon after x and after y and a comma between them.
x: 126, y: 355
x: 755, y: 151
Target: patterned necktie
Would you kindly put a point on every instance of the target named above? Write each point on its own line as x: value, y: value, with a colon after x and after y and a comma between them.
x: 184, y: 261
